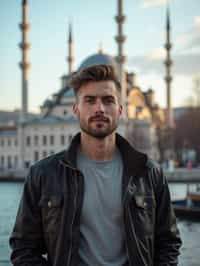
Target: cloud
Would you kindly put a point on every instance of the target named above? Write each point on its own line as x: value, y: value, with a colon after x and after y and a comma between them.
x: 157, y: 54
x: 184, y: 64
x: 181, y: 87
x: 188, y: 64
x: 197, y: 21
x: 190, y: 41
x: 152, y: 3
x: 180, y: 90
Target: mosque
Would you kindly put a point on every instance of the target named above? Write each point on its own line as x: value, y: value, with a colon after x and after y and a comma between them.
x: 30, y: 140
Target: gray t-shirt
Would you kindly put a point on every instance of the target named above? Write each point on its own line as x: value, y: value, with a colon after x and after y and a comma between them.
x: 102, y: 234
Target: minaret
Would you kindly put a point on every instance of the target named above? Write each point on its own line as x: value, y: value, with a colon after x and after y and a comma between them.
x: 24, y: 65
x: 70, y: 57
x: 120, y: 39
x: 168, y: 78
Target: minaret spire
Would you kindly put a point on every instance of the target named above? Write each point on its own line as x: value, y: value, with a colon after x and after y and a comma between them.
x: 24, y: 65
x: 120, y: 39
x: 100, y: 51
x: 168, y: 64
x: 70, y: 57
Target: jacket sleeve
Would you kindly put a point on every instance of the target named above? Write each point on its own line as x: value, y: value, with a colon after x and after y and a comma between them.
x: 167, y: 236
x: 26, y: 240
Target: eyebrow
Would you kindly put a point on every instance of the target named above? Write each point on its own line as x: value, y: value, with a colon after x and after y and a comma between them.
x: 103, y: 96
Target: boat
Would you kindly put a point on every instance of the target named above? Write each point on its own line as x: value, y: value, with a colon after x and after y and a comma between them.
x: 189, y: 207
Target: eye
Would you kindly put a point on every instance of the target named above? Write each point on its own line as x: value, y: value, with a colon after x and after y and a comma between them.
x: 108, y: 100
x: 90, y: 100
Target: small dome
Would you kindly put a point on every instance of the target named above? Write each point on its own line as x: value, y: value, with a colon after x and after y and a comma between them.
x: 69, y: 93
x: 47, y: 103
x: 98, y: 59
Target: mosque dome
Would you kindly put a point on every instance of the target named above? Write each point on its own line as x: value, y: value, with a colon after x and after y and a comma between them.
x: 98, y: 59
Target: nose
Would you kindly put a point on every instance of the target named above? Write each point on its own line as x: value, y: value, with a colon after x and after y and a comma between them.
x: 100, y: 106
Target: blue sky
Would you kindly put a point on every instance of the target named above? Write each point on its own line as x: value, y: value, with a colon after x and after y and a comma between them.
x: 93, y: 22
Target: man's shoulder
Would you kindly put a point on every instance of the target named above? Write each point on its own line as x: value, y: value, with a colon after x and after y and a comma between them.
x: 155, y: 173
x: 152, y: 164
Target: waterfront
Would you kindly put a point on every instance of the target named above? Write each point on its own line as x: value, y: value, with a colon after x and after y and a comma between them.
x: 9, y: 199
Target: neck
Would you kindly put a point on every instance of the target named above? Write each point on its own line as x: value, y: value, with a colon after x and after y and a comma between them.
x: 98, y: 149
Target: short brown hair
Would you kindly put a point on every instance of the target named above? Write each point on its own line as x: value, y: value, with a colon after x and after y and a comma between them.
x: 94, y: 73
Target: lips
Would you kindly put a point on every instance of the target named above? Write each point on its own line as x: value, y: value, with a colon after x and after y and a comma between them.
x: 98, y: 119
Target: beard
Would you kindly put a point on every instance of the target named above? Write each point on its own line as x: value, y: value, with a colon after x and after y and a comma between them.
x: 99, y: 131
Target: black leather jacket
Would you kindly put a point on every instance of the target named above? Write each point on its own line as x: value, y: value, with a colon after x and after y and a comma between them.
x: 48, y: 219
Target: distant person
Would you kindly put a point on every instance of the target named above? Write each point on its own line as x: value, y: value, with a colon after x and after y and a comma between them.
x: 171, y: 165
x: 189, y: 165
x: 100, y: 202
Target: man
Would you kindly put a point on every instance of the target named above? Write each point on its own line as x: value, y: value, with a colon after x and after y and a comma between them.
x: 100, y: 202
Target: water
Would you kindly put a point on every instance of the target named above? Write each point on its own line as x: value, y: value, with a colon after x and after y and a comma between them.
x: 9, y: 200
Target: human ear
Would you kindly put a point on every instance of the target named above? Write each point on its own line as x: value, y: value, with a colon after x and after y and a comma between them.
x: 120, y: 109
x: 75, y: 109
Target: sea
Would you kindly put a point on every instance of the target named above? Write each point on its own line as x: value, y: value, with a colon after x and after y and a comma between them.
x: 10, y: 194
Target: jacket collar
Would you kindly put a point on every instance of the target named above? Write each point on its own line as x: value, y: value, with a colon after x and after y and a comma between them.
x: 133, y: 160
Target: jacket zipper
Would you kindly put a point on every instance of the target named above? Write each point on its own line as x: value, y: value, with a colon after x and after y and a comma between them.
x: 131, y: 222
x: 127, y: 251
x: 75, y: 203
x: 125, y: 222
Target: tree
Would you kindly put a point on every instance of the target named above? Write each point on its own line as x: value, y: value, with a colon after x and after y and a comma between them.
x: 187, y: 131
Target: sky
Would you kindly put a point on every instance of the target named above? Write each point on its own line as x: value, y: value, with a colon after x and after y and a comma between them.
x: 93, y: 23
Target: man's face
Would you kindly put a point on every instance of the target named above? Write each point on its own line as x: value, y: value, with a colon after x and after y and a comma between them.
x: 98, y: 108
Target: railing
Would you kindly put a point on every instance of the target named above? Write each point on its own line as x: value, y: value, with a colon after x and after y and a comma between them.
x: 12, y: 174
x: 183, y: 175
x: 5, y: 263
x: 178, y: 175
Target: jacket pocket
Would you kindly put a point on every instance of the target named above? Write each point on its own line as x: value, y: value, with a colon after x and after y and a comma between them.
x: 145, y: 202
x: 51, y: 208
x: 143, y: 213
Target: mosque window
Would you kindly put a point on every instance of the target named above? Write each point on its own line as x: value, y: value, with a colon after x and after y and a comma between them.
x: 44, y: 140
x: 9, y: 162
x: 28, y: 140
x: 36, y: 140
x: 52, y: 140
x: 62, y: 139
x: 9, y: 142
x: 16, y: 142
x: 2, y: 142
x: 16, y: 161
x: 44, y: 154
x: 2, y: 161
x: 51, y: 152
x: 27, y: 164
x: 36, y: 156
x: 70, y: 138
